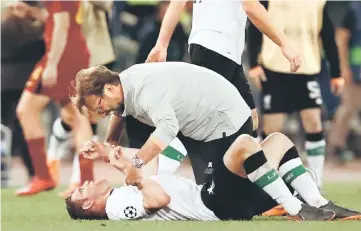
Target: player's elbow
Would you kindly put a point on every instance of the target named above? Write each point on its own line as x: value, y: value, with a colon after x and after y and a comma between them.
x: 165, y: 200
x: 160, y: 201
x: 246, y: 145
x: 248, y: 6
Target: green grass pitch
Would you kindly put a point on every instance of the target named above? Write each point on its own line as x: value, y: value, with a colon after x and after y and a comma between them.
x: 46, y: 212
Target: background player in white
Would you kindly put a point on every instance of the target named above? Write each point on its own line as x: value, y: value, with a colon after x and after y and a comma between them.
x: 219, y: 27
x: 217, y: 41
x: 239, y: 187
x: 284, y: 92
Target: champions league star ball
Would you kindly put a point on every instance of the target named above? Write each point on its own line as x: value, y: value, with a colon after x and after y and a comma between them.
x: 130, y: 212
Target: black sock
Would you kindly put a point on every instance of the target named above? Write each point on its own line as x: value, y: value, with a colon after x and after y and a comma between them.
x: 314, y: 137
x: 254, y: 162
x: 292, y: 153
x: 264, y: 135
x: 26, y: 155
x: 65, y: 126
x: 255, y: 134
x: 94, y: 128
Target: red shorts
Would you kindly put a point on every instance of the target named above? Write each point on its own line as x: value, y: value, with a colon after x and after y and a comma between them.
x: 68, y: 67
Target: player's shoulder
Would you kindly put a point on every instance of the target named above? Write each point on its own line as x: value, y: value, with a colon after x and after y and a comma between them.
x: 125, y: 203
x: 121, y: 193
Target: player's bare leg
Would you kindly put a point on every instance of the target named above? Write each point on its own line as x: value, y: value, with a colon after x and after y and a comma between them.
x: 273, y: 123
x: 348, y: 108
x: 255, y: 121
x: 245, y: 147
x: 28, y: 111
x: 283, y: 156
x: 315, y: 143
x: 60, y: 145
x: 82, y: 132
x: 246, y: 158
x: 85, y: 168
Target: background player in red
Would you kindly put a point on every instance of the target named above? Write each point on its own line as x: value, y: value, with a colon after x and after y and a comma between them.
x: 66, y: 53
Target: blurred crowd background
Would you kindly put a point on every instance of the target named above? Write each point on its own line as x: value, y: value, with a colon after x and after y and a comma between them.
x: 123, y: 33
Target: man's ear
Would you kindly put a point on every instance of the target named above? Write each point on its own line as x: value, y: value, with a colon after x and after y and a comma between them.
x: 87, y: 204
x: 108, y: 87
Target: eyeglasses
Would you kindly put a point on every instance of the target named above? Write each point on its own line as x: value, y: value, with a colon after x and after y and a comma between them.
x: 98, y: 110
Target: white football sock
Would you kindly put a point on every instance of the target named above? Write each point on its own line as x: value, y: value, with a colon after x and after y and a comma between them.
x: 270, y: 181
x: 171, y: 157
x: 316, y: 158
x: 295, y: 174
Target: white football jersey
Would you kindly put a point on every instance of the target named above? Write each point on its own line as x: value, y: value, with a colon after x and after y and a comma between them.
x: 126, y: 202
x: 219, y: 25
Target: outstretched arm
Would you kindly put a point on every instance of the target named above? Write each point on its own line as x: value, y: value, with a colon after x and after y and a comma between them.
x: 259, y: 16
x: 170, y: 21
x: 115, y: 128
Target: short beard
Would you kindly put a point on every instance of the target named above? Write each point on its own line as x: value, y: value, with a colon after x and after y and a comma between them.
x: 119, y: 109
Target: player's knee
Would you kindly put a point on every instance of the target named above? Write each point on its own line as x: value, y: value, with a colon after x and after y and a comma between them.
x: 269, y: 129
x: 282, y: 140
x: 21, y: 112
x: 247, y: 145
x: 68, y: 118
x: 255, y: 120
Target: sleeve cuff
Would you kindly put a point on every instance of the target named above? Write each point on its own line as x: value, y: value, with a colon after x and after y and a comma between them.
x: 160, y: 139
x: 335, y: 73
x: 253, y: 63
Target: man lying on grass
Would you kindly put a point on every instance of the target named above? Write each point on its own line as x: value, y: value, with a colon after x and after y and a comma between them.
x: 250, y: 178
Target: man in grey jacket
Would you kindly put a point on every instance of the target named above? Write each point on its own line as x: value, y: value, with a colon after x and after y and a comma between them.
x: 178, y: 99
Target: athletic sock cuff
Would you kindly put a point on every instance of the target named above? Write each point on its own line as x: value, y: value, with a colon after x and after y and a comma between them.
x: 314, y: 137
x: 175, y: 150
x: 264, y: 135
x: 65, y: 126
x: 94, y: 128
x: 292, y: 153
x: 255, y: 134
x: 59, y: 131
x: 254, y: 162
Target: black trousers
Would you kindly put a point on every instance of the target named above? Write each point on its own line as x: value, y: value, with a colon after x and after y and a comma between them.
x: 199, y: 152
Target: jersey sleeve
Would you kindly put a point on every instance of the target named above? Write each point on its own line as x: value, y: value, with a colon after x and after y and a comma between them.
x: 125, y: 203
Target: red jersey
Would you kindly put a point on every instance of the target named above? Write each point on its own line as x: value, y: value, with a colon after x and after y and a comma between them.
x: 74, y: 58
x: 75, y: 40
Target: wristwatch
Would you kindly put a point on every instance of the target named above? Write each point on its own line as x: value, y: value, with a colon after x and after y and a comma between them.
x: 137, y: 162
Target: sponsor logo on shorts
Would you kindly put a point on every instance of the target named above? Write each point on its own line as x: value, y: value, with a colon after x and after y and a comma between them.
x: 211, y: 188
